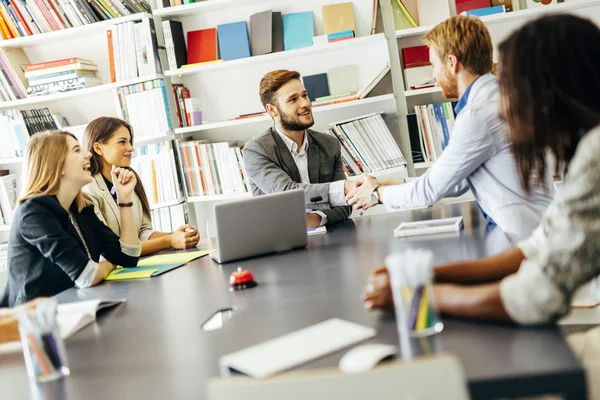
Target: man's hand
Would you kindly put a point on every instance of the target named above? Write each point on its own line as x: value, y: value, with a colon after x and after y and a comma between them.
x: 313, y: 220
x: 378, y: 292
x: 360, y: 197
x: 351, y: 184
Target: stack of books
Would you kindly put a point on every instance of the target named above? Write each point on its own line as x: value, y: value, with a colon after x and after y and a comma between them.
x: 339, y: 36
x: 60, y: 76
x: 212, y: 168
x: 430, y: 128
x: 338, y: 22
x: 19, y: 18
x: 187, y: 107
x: 367, y: 145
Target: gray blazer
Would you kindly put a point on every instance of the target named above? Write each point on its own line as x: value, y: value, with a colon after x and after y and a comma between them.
x: 270, y: 168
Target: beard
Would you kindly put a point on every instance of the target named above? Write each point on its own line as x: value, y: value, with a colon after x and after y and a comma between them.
x: 449, y: 86
x: 291, y: 122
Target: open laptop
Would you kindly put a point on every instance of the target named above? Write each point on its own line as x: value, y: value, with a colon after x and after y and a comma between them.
x: 260, y: 225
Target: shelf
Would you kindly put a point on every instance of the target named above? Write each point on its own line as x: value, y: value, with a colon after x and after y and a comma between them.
x: 510, y: 16
x: 263, y: 118
x: 145, y: 142
x: 7, y: 105
x: 206, y: 7
x: 70, y: 33
x: 219, y: 197
x: 279, y: 56
x: 385, y: 173
x: 419, y: 92
x: 16, y: 160
x: 423, y: 165
x: 167, y: 203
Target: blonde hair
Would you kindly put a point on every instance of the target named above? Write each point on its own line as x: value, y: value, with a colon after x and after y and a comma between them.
x: 467, y: 38
x: 46, y: 154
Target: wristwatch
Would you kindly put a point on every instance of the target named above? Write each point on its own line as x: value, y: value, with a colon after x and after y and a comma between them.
x: 375, y: 197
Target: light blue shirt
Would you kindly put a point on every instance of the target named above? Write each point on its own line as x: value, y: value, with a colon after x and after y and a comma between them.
x: 478, y: 157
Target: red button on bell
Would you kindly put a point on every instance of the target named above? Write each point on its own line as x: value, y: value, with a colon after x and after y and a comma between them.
x: 241, y: 279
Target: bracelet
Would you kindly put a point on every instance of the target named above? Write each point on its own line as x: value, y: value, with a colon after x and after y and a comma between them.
x: 130, y: 204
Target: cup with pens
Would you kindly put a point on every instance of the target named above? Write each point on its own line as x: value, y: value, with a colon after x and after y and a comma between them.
x: 411, y: 279
x: 43, y: 348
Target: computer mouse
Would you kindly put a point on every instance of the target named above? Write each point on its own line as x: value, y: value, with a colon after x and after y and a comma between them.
x: 363, y: 358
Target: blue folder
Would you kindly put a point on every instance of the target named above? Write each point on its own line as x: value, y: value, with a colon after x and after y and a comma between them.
x: 298, y: 30
x: 233, y: 41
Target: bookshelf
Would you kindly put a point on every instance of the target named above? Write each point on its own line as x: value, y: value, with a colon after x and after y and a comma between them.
x: 69, y: 33
x: 74, y: 94
x: 280, y: 57
x: 207, y: 7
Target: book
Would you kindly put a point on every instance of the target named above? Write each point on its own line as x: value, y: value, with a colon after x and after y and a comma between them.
x: 482, y: 12
x: 338, y: 18
x: 201, y: 46
x: 277, y: 35
x: 175, y: 43
x: 508, y: 4
x: 233, y: 41
x: 316, y: 85
x: 466, y: 5
x: 57, y: 63
x: 321, y: 230
x: 343, y: 79
x: 126, y: 274
x: 429, y: 227
x: 261, y: 33
x: 298, y: 30
x: 70, y: 318
x: 365, y: 90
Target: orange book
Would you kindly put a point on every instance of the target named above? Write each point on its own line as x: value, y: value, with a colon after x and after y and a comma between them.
x: 202, y: 46
x: 154, y: 184
x: 56, y: 63
x: 4, y: 29
x: 330, y: 102
x: 111, y: 55
x: 11, y: 25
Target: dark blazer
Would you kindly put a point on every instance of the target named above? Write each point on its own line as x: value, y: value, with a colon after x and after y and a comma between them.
x: 45, y: 253
x: 271, y: 168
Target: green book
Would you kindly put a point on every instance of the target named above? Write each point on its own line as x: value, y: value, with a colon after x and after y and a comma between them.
x: 334, y: 96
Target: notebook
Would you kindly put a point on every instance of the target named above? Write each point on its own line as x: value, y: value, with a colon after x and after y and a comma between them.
x: 365, y: 90
x: 316, y: 85
x: 277, y: 32
x: 298, y: 30
x: 429, y: 227
x: 71, y: 318
x: 321, y: 230
x: 202, y: 46
x: 233, y: 41
x: 297, y: 348
x: 155, y: 266
x: 338, y: 18
x: 343, y: 79
x: 261, y: 33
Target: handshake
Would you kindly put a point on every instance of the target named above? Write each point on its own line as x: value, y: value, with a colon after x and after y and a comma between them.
x: 359, y: 192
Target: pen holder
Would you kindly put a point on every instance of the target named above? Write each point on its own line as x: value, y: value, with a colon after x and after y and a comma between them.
x: 411, y: 282
x: 43, y: 348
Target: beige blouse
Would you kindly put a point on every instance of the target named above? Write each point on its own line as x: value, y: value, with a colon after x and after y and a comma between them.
x: 108, y: 212
x: 563, y: 252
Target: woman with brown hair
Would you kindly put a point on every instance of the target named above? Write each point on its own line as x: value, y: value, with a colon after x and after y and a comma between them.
x: 549, y: 83
x: 56, y: 239
x: 110, y: 140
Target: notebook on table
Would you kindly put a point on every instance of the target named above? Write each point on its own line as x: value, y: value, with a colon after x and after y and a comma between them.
x: 429, y: 227
x: 71, y: 318
x: 155, y: 265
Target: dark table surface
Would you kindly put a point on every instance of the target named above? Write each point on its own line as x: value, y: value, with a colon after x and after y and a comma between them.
x: 153, y: 347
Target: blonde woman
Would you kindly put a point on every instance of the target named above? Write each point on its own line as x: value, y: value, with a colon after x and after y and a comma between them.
x: 110, y: 140
x: 56, y: 240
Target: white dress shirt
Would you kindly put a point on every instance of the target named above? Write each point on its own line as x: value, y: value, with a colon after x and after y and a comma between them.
x: 478, y: 157
x: 336, y: 189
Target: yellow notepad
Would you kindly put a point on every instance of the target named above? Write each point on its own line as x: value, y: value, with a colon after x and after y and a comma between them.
x: 175, y: 258
x: 119, y: 275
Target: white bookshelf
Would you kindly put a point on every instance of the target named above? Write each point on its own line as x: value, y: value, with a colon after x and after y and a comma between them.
x: 218, y: 197
x: 36, y: 100
x: 208, y: 6
x: 278, y: 57
x: 518, y: 15
x: 141, y: 142
x: 70, y: 33
x: 8, y: 161
x: 420, y: 92
x: 266, y: 117
x: 154, y: 206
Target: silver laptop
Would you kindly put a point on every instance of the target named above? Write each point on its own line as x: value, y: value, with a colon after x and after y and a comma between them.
x: 260, y: 225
